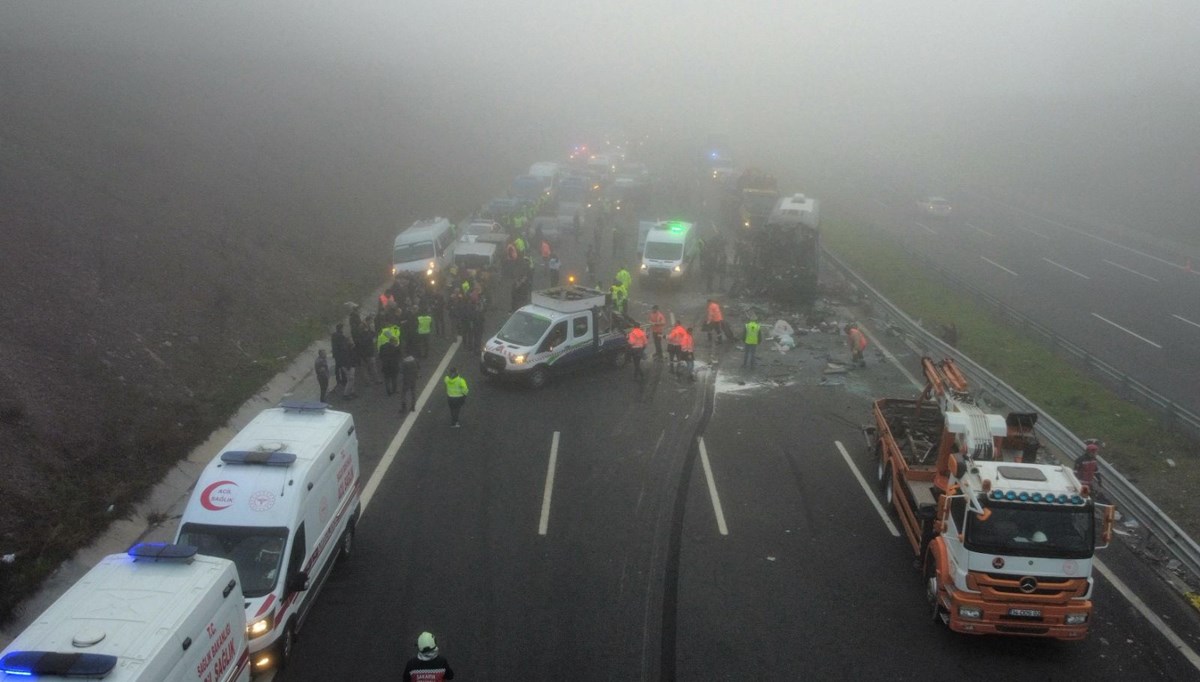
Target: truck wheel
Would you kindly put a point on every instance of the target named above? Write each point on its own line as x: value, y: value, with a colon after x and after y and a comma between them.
x: 937, y: 612
x: 539, y: 377
x: 879, y: 469
x: 618, y: 358
x: 885, y: 478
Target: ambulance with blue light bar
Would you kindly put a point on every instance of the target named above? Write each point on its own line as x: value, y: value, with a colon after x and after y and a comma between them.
x: 1006, y: 544
x: 670, y: 248
x: 561, y: 329
x: 158, y: 613
x: 281, y: 501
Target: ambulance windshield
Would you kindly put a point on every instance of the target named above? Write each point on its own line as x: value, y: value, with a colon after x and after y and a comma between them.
x: 257, y: 552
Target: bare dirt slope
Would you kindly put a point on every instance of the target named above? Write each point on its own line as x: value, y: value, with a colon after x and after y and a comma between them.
x: 171, y: 229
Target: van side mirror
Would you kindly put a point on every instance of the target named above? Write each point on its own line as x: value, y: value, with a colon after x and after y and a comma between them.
x: 297, y: 582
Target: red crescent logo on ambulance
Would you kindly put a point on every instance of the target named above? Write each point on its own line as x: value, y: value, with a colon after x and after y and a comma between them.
x: 217, y: 497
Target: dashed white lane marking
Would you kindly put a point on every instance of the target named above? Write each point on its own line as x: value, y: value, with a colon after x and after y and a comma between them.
x: 979, y: 229
x: 1063, y: 267
x: 1184, y: 319
x: 867, y: 489
x: 1131, y: 333
x: 1152, y: 617
x: 925, y: 227
x: 1034, y: 232
x: 389, y: 455
x: 992, y: 262
x: 1131, y: 270
x: 548, y: 491
x: 712, y: 489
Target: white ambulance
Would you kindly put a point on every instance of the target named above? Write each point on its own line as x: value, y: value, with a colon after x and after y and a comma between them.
x: 281, y: 501
x: 159, y: 613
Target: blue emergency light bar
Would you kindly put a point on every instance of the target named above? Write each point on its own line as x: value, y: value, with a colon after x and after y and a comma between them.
x: 1023, y: 496
x: 271, y: 459
x: 33, y: 663
x: 160, y: 551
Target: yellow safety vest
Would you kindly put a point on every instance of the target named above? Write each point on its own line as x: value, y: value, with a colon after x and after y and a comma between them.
x: 752, y: 333
x: 456, y: 387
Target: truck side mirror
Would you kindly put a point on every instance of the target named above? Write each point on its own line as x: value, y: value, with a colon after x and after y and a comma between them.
x: 297, y: 582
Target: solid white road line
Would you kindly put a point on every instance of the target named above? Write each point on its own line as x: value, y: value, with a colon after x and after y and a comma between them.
x: 1153, y: 618
x: 1063, y: 267
x: 549, y: 489
x: 1139, y: 274
x: 389, y: 455
x: 925, y: 227
x: 992, y: 262
x: 712, y: 489
x: 1133, y: 334
x: 1184, y: 319
x: 867, y: 489
x: 979, y: 229
x: 1034, y: 232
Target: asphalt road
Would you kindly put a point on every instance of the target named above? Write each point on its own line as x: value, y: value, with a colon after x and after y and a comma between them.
x: 634, y: 578
x: 1131, y: 301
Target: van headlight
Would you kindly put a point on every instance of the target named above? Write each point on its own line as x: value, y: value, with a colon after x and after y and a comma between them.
x: 644, y: 267
x: 677, y: 269
x: 429, y: 272
x: 518, y: 359
x: 260, y: 627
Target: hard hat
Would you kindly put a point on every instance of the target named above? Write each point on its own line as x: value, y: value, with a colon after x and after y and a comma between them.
x: 1039, y: 536
x: 426, y: 643
x: 1092, y: 447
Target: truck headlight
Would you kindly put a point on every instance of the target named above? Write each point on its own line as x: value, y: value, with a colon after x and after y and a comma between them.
x: 260, y: 627
x: 971, y: 612
x: 519, y: 360
x: 1076, y: 618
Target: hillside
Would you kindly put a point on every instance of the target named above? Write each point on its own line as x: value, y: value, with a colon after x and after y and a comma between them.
x: 172, y: 230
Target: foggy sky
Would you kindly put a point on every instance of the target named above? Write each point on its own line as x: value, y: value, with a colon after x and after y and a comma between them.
x: 829, y: 78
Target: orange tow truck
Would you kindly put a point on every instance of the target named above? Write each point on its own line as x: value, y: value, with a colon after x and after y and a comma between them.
x: 1005, y: 544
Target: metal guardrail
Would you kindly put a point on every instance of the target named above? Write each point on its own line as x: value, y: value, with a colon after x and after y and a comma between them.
x: 1131, y: 501
x: 1174, y: 415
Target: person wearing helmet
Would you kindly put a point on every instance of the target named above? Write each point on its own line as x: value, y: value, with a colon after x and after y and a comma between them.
x: 1087, y: 467
x: 428, y: 665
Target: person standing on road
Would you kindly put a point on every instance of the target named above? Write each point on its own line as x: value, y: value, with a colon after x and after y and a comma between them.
x: 428, y: 665
x: 424, y: 328
x: 658, y: 324
x: 620, y: 296
x: 389, y: 364
x: 321, y: 369
x: 715, y: 321
x: 554, y: 265
x: 456, y: 394
x: 1087, y: 467
x: 625, y: 279
x: 343, y: 355
x: 750, y: 341
x: 675, y: 344
x: 409, y: 369
x: 857, y: 342
x: 637, y: 348
x: 687, y: 348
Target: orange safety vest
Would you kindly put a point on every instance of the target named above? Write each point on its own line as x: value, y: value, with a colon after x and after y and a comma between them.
x: 688, y: 345
x: 675, y: 338
x: 545, y: 249
x: 658, y: 322
x: 714, y: 312
x: 858, y: 340
x: 637, y: 338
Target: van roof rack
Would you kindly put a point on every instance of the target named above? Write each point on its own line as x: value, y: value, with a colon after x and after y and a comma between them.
x: 161, y: 551
x: 271, y: 459
x: 304, y: 405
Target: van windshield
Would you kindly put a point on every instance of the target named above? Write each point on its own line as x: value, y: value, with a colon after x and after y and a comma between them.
x: 523, y: 329
x: 663, y: 251
x: 256, y: 551
x: 407, y: 253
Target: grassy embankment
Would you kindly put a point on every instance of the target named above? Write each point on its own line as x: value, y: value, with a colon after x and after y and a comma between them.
x: 1136, y: 442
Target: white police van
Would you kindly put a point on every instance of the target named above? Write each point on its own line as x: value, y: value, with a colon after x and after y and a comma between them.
x: 281, y: 501
x: 159, y: 613
x: 561, y: 329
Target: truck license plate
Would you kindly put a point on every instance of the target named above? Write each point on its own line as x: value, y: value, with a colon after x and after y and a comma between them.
x: 1025, y: 613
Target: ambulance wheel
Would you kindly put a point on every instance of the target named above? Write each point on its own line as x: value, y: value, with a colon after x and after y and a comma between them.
x: 539, y: 377
x: 287, y: 642
x: 346, y: 546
